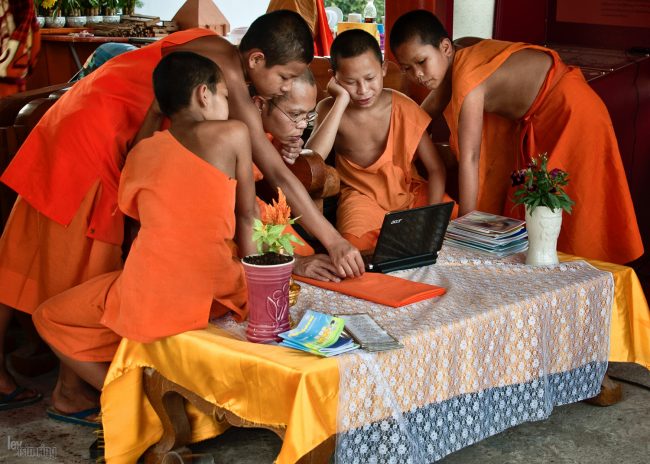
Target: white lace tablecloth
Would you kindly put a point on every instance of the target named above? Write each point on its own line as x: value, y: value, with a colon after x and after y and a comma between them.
x: 504, y: 345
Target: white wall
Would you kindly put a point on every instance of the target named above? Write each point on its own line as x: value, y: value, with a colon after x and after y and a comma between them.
x: 238, y: 12
x: 473, y: 18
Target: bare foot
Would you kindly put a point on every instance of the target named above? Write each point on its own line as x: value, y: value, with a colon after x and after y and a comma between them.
x: 72, y: 397
x: 8, y: 386
x: 610, y: 393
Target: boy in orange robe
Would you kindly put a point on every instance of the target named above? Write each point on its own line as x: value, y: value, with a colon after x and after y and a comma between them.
x: 191, y: 188
x: 67, y: 171
x: 507, y: 102
x: 376, y: 133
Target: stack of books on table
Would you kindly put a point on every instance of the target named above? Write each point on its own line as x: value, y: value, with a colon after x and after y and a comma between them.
x: 319, y: 334
x: 496, y: 235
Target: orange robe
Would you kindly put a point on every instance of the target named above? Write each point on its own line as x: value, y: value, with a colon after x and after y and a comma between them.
x: 568, y: 121
x: 389, y: 184
x: 67, y: 173
x: 182, y: 268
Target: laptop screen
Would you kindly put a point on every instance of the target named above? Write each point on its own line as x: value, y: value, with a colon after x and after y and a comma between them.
x: 412, y: 233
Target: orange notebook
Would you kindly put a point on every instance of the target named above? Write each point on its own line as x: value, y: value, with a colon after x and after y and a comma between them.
x: 380, y: 288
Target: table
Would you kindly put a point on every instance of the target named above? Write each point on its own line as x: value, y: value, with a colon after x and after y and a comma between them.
x: 513, y: 313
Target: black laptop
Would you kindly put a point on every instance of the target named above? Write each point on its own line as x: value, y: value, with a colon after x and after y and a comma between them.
x: 409, y: 238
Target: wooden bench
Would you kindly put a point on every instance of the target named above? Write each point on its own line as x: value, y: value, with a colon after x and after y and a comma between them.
x: 168, y: 399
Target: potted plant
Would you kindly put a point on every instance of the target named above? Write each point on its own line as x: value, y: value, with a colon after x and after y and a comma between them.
x: 40, y: 12
x: 53, y: 16
x: 92, y: 9
x: 72, y: 10
x: 542, y: 193
x: 268, y: 273
x: 128, y: 6
x: 109, y: 10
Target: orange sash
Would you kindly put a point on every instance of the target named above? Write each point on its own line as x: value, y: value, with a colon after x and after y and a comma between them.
x: 182, y: 268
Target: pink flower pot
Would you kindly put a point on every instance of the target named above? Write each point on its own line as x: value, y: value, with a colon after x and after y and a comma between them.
x: 268, y: 301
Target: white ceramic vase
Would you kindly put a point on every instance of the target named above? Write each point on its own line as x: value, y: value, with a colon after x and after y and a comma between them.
x: 543, y: 226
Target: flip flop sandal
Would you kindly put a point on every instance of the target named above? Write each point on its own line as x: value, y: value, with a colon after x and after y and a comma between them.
x: 11, y: 400
x: 78, y: 418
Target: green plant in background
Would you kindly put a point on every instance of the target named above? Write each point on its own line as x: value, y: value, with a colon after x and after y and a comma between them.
x: 49, y: 7
x: 356, y: 6
x: 91, y: 7
x: 128, y: 6
x: 109, y: 7
x: 539, y: 187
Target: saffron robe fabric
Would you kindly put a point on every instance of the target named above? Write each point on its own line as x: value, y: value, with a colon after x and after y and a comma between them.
x: 183, y: 261
x: 84, y: 138
x: 568, y: 121
x: 40, y: 258
x: 182, y: 268
x: 391, y: 183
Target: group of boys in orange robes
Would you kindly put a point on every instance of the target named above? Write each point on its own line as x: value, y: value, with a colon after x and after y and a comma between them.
x: 376, y: 134
x: 76, y: 153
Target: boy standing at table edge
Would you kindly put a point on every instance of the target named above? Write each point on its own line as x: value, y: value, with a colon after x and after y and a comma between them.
x: 506, y: 103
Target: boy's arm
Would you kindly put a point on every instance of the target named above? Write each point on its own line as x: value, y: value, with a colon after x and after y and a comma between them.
x: 345, y: 257
x: 329, y: 119
x: 470, y: 128
x: 245, y: 204
x: 435, y: 167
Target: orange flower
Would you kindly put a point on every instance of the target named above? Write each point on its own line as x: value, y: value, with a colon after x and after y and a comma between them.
x: 277, y: 213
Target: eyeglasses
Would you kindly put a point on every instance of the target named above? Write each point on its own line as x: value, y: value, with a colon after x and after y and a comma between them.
x: 309, y: 117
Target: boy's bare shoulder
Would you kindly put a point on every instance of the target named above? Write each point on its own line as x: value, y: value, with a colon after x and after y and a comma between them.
x: 229, y: 134
x: 223, y: 131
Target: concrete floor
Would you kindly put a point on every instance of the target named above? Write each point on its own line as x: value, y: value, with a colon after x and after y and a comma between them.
x: 576, y: 433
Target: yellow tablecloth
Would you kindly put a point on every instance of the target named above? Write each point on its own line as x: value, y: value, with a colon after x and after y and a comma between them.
x: 280, y: 387
x: 262, y: 384
x: 629, y: 337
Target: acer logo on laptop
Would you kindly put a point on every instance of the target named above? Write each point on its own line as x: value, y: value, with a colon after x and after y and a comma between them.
x: 396, y: 221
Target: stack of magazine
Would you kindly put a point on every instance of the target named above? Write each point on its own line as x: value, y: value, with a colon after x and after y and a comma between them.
x: 319, y: 334
x: 498, y: 236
